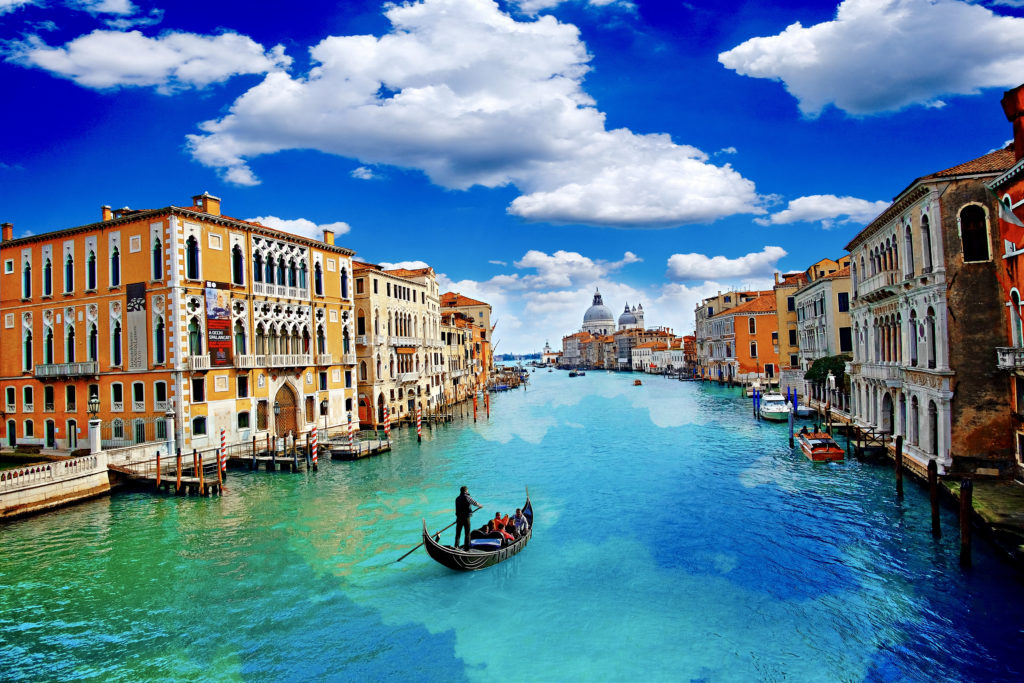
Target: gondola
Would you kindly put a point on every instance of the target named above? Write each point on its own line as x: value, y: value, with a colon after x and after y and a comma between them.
x: 472, y: 560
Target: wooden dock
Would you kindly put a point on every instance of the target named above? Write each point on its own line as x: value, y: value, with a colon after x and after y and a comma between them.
x: 179, y: 476
x: 363, y: 448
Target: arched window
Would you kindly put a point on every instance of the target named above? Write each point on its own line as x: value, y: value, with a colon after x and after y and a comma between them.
x: 158, y: 261
x: 912, y: 337
x: 159, y: 342
x: 929, y: 322
x: 239, y: 338
x: 90, y: 270
x: 908, y: 249
x: 237, y: 270
x: 293, y: 275
x: 192, y: 258
x: 261, y: 340
x: 1015, y: 321
x: 362, y: 371
x: 345, y: 342
x: 48, y: 346
x: 115, y: 345
x: 94, y: 343
x: 926, y: 244
x: 280, y: 271
x: 69, y: 274
x: 270, y: 269
x: 257, y: 267
x: 26, y: 281
x: 69, y: 350
x: 302, y: 275
x: 318, y: 280
x: 195, y: 343
x: 47, y: 278
x: 974, y: 233
x: 915, y: 422
x: 344, y: 284
x: 321, y: 340
x: 115, y: 268
x: 752, y: 325
x: 27, y: 359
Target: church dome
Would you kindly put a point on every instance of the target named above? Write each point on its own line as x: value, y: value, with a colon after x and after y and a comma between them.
x: 627, y: 318
x: 598, y: 313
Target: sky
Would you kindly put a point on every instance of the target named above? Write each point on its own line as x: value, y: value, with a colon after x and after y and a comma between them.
x: 529, y: 151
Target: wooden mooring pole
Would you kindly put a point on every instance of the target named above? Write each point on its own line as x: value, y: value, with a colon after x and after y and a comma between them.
x: 899, y: 465
x: 933, y: 496
x: 254, y: 465
x: 177, y: 485
x: 202, y: 484
x: 158, y: 469
x: 966, y: 511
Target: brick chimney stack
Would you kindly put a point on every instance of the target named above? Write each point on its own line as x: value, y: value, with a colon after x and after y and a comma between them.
x: 6, y: 232
x: 329, y: 237
x: 1013, y: 107
x: 107, y: 213
x: 206, y: 203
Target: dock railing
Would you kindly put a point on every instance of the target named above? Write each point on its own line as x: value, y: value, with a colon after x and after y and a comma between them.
x: 49, y: 472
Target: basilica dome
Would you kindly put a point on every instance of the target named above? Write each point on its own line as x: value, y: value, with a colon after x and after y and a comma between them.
x: 627, y: 319
x: 598, y: 317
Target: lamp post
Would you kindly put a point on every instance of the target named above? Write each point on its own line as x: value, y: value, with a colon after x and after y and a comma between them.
x: 277, y: 412
x: 323, y: 411
x: 93, y: 406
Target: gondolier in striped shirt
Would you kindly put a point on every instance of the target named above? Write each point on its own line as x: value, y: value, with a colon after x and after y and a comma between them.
x: 464, y: 506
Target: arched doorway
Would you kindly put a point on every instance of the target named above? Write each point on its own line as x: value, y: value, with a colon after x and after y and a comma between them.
x: 51, y: 434
x: 365, y: 410
x: 285, y: 411
x: 72, y: 427
x: 887, y: 413
x: 380, y: 408
x: 12, y: 439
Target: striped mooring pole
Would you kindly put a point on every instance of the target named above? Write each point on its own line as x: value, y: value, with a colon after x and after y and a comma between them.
x: 351, y: 438
x: 313, y: 446
x: 223, y: 451
x: 419, y: 424
x: 387, y: 422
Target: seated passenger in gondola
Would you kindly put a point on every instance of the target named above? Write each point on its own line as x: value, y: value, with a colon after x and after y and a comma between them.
x: 520, y: 523
x: 803, y: 430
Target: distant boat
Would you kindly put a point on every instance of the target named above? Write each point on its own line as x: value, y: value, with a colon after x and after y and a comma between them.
x: 477, y: 557
x: 775, y: 407
x: 581, y: 373
x: 637, y: 383
x: 573, y: 373
x: 820, y: 447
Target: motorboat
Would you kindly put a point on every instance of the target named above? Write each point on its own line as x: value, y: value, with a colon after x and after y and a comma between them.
x: 775, y: 407
x: 820, y: 447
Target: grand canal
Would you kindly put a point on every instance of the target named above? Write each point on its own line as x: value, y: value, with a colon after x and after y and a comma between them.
x: 676, y: 539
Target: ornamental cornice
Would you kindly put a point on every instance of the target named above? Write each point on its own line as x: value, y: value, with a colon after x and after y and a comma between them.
x: 911, y: 197
x: 1006, y: 177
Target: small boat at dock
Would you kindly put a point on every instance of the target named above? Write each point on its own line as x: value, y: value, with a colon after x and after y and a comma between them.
x: 820, y: 447
x: 774, y: 407
x: 477, y: 558
x: 573, y: 373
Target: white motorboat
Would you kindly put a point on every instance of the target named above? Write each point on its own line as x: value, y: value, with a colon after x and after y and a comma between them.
x: 775, y: 407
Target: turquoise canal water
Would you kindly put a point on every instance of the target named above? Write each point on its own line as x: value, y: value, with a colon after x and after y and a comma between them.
x: 676, y: 539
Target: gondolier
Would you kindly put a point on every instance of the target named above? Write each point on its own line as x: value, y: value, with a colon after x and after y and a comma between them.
x: 464, y: 506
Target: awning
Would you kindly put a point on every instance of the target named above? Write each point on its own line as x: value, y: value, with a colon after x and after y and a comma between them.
x: 405, y: 349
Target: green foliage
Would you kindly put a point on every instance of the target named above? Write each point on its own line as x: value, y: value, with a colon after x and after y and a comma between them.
x: 818, y: 372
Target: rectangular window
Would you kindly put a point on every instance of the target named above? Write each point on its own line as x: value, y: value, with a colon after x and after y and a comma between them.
x: 790, y: 304
x: 261, y: 415
x: 1020, y: 395
x: 348, y: 379
x: 48, y: 404
x: 11, y: 397
x: 116, y: 397
x: 845, y: 340
x: 198, y: 389
x: 27, y: 399
x: 374, y: 285
x: 753, y: 348
x: 199, y: 426
x: 243, y: 420
x: 388, y: 289
x: 359, y: 285
x: 70, y: 399
x: 242, y: 382
x: 160, y: 395
x: 844, y: 302
x: 792, y: 337
x: 323, y: 381
x: 793, y: 360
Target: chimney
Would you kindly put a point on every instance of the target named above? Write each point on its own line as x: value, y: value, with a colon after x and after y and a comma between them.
x: 206, y: 203
x: 776, y: 277
x: 6, y: 232
x: 329, y: 237
x: 106, y: 212
x: 1013, y: 107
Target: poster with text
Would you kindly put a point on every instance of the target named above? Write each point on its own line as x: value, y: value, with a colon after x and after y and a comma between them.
x: 138, y: 354
x: 218, y: 323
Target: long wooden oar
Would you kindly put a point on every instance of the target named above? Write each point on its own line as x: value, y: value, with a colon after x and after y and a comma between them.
x: 433, y: 534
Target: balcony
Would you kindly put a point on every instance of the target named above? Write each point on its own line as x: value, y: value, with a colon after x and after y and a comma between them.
x: 291, y: 360
x: 53, y: 370
x: 1010, y: 358
x: 259, y: 288
x: 403, y: 341
x: 348, y: 358
x: 406, y: 377
x: 892, y: 375
x: 249, y: 360
x: 324, y: 359
x: 879, y: 285
x: 360, y: 340
x: 197, y: 363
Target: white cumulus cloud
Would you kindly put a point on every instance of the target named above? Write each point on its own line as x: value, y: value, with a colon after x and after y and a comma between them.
x: 827, y: 208
x: 405, y: 265
x: 172, y: 61
x: 758, y: 264
x: 363, y: 173
x: 470, y: 96
x: 882, y: 55
x: 11, y: 5
x: 534, y: 6
x: 302, y: 226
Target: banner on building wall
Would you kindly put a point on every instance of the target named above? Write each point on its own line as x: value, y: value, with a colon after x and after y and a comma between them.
x: 218, y: 323
x: 135, y: 313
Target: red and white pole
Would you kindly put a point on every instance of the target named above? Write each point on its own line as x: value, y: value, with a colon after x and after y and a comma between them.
x: 314, y: 446
x: 351, y: 438
x: 419, y: 426
x: 223, y: 450
x: 387, y: 422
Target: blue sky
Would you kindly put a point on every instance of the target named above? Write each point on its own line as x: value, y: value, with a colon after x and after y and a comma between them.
x: 528, y: 151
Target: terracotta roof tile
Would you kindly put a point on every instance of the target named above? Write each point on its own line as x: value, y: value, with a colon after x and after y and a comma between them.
x: 762, y: 304
x: 453, y: 299
x: 993, y: 162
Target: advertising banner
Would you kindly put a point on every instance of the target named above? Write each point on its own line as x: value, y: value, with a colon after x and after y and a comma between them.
x: 218, y: 323
x: 135, y: 311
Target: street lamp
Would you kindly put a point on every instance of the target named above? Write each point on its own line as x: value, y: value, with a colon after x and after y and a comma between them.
x: 277, y: 408
x: 93, y: 406
x: 323, y: 411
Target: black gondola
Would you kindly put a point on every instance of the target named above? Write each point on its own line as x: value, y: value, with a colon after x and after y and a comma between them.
x: 472, y: 560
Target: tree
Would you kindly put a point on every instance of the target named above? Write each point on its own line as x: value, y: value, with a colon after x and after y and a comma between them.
x: 818, y: 372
